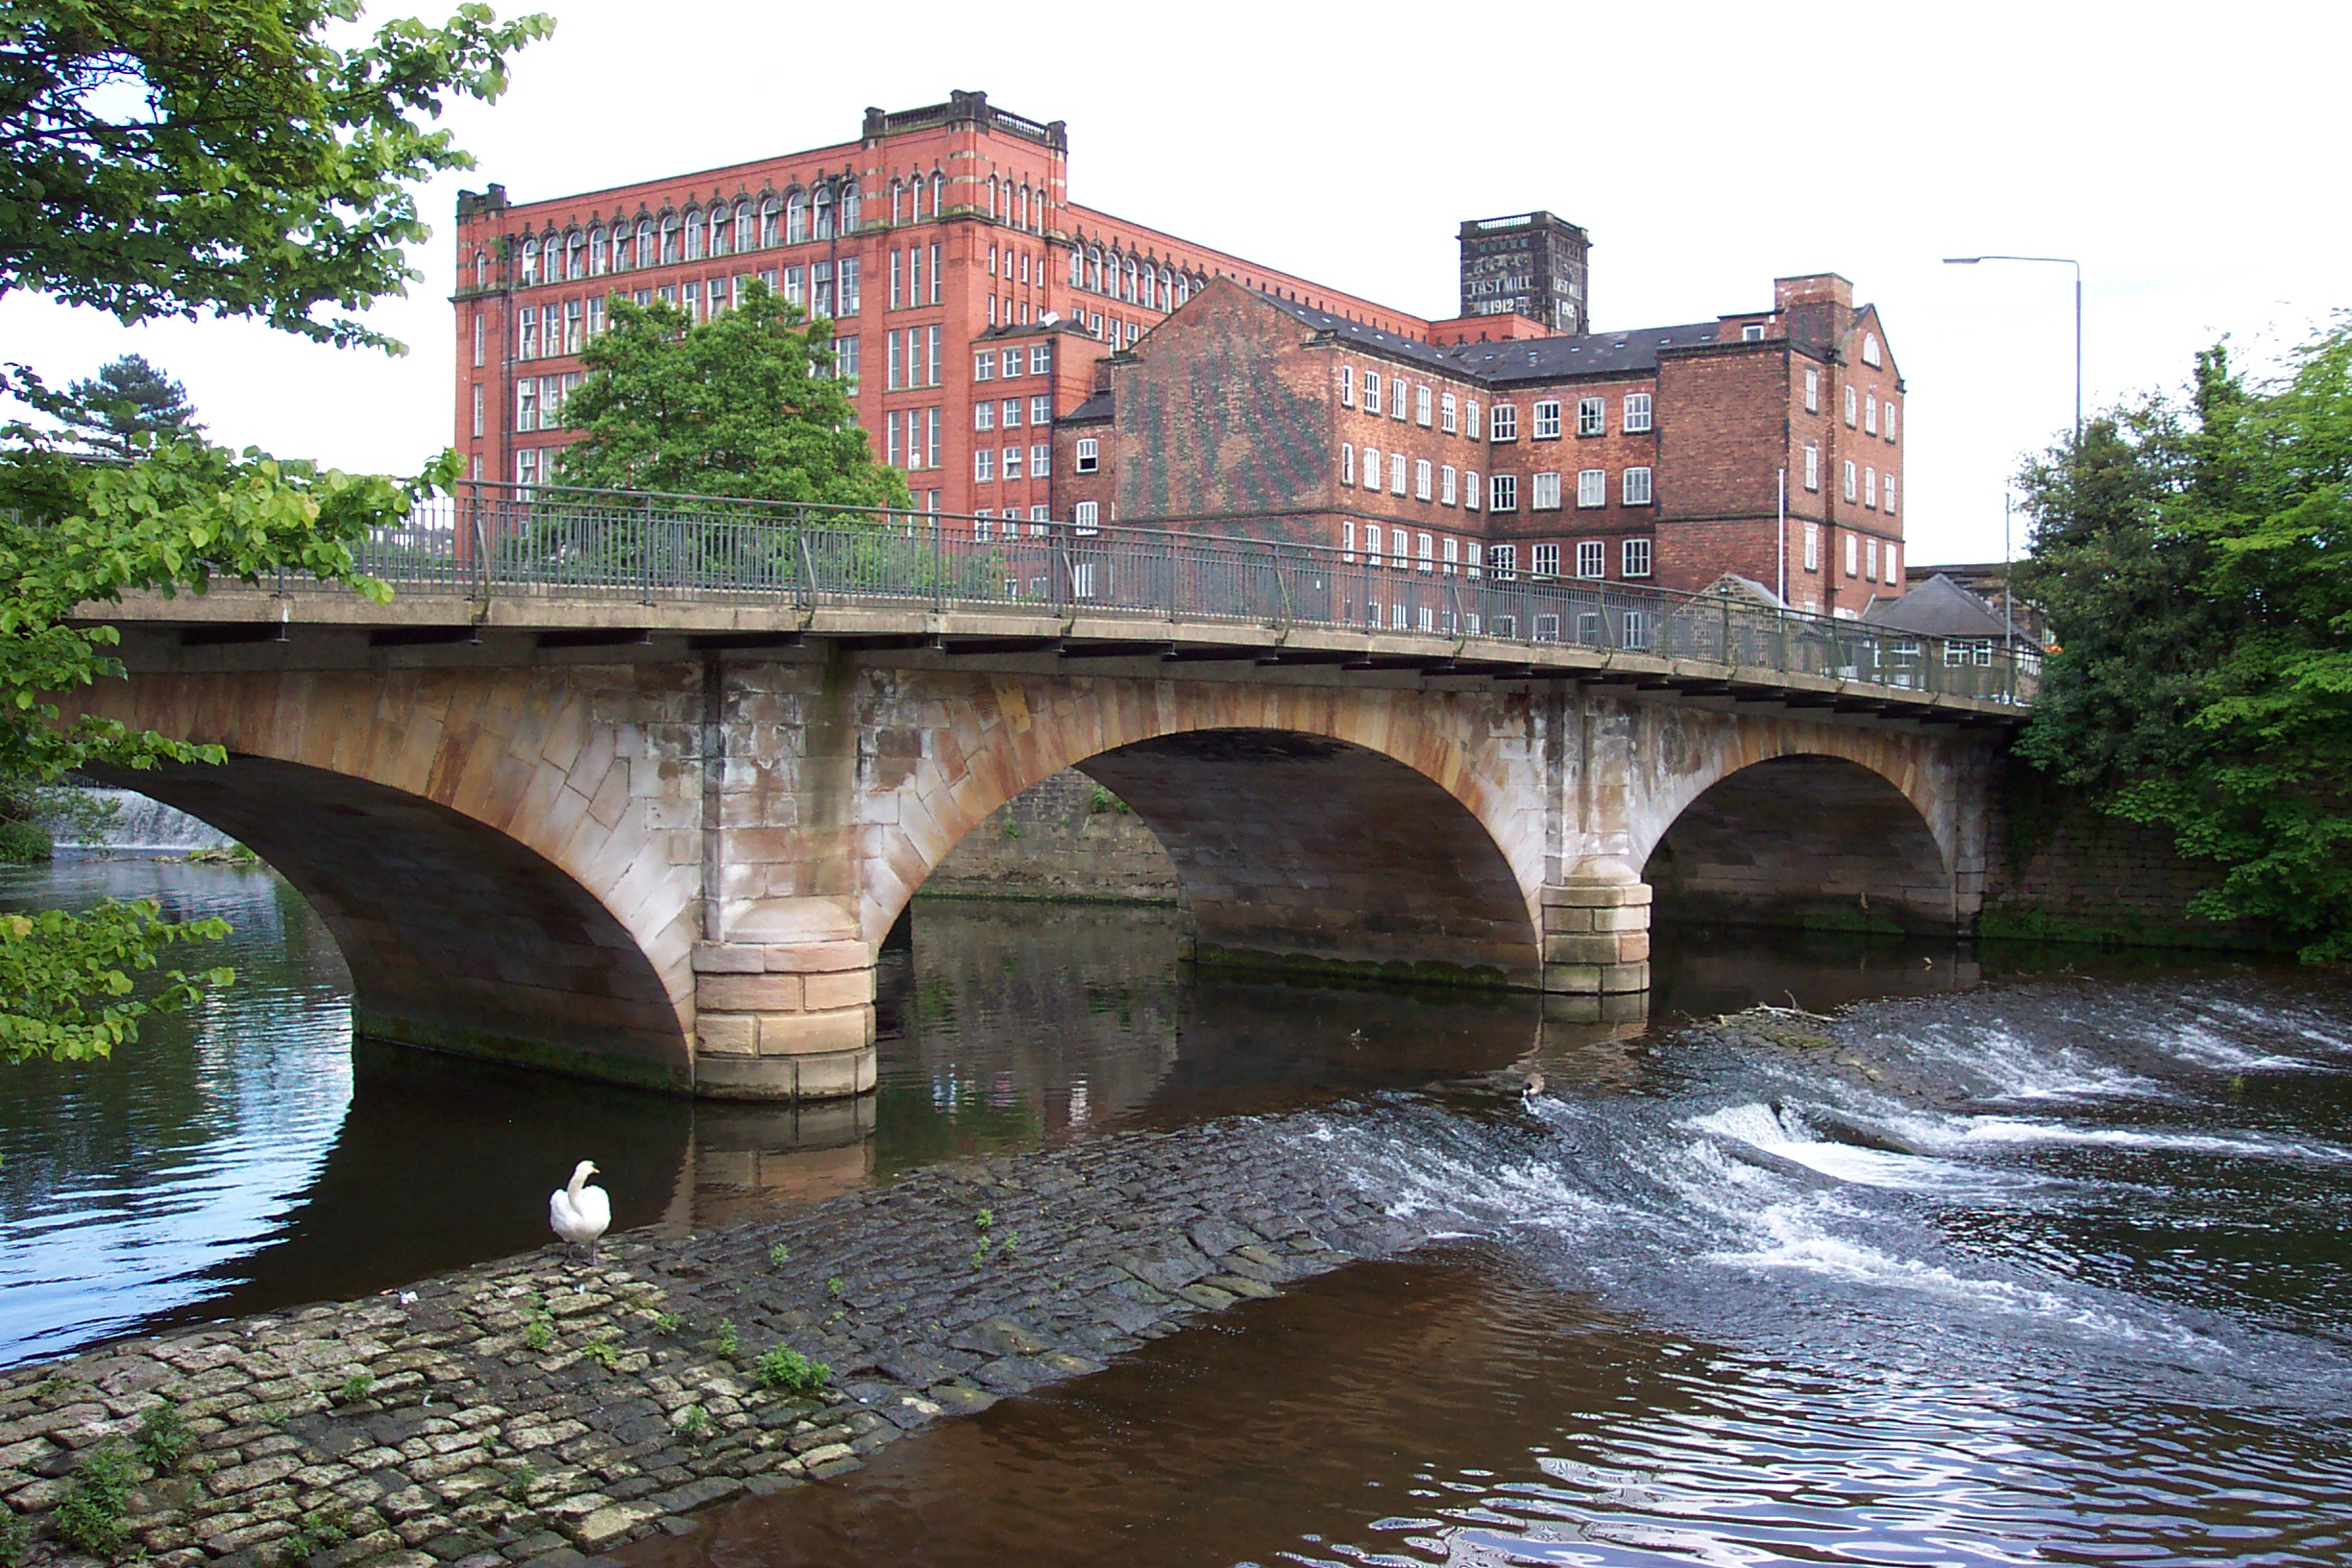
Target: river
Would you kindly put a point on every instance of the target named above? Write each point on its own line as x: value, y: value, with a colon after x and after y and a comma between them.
x: 2046, y: 1263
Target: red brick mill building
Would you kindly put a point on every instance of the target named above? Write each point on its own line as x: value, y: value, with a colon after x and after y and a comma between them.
x: 1023, y: 358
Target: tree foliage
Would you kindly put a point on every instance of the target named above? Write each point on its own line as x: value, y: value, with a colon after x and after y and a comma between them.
x: 2196, y: 566
x: 180, y: 157
x: 744, y: 406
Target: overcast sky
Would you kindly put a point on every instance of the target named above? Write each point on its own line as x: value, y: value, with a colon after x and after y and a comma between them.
x: 2190, y: 157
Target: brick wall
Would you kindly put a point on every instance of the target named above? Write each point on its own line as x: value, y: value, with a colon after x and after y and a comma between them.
x: 1065, y: 838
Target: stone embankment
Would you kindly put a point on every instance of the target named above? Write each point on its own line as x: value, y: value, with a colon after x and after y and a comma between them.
x: 535, y: 1409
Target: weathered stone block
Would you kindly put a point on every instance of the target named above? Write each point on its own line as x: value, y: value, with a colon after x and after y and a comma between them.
x: 727, y: 1033
x: 847, y: 987
x: 817, y: 957
x: 729, y: 958
x: 805, y: 1033
x: 1601, y: 949
x: 748, y: 993
x: 835, y: 1076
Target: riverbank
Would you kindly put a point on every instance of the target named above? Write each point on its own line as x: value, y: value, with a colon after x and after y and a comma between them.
x: 534, y: 1409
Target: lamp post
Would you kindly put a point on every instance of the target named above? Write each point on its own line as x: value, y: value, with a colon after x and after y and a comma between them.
x: 2074, y: 453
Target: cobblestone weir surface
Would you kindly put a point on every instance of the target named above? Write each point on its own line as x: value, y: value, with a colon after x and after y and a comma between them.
x: 537, y: 1409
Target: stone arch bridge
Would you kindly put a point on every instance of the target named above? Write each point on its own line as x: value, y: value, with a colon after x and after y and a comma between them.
x: 662, y: 843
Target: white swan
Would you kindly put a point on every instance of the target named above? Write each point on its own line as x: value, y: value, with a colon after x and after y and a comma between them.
x: 579, y: 1213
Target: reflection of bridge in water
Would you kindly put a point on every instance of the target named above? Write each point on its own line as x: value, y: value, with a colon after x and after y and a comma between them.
x: 636, y: 788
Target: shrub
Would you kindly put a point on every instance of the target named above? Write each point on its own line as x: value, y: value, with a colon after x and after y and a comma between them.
x: 91, y: 1518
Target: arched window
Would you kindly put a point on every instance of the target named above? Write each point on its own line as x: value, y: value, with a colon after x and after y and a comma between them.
x: 1184, y: 288
x: 721, y: 231
x: 770, y: 210
x: 481, y: 269
x: 824, y: 213
x: 575, y: 254
x: 1167, y: 289
x: 993, y: 214
x: 600, y: 258
x: 1077, y: 269
x: 647, y: 254
x: 530, y: 260
x: 1093, y: 277
x: 747, y: 226
x: 691, y: 227
x: 939, y: 194
x: 672, y: 238
x: 851, y: 202
x: 897, y: 199
x: 1129, y: 293
x: 796, y: 217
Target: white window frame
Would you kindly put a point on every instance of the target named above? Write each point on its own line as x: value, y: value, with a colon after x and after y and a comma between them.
x: 1371, y: 470
x: 1592, y: 488
x: 1040, y: 460
x: 1474, y: 492
x: 1347, y: 465
x: 1397, y: 410
x: 1592, y: 416
x: 984, y: 414
x: 1870, y: 413
x: 1009, y: 462
x: 983, y: 465
x: 1592, y: 558
x: 1887, y: 502
x: 1503, y: 492
x: 1087, y: 459
x: 1543, y: 560
x: 1889, y: 421
x: 1372, y: 392
x: 1421, y: 479
x: 1421, y: 405
x: 1503, y: 422
x: 1544, y: 420
x: 1812, y: 466
x: 1853, y: 406
x: 1449, y: 414
x: 1812, y: 547
x: 1085, y: 517
x: 1396, y: 473
x: 1471, y: 419
x: 1853, y: 554
x: 1635, y: 558
x: 1854, y: 480
x: 1634, y: 488
x: 1449, y: 485
x: 1347, y: 386
x: 1871, y: 355
x: 1869, y: 486
x: 1503, y: 562
x: 1812, y: 389
x: 1635, y: 419
x: 1544, y: 492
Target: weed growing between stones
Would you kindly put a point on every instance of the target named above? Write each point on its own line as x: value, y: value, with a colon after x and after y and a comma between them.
x: 667, y: 1322
x: 317, y: 1533
x: 537, y: 1335
x: 834, y: 1288
x: 728, y: 1343
x: 520, y: 1481
x: 785, y: 1368
x: 91, y: 1518
x: 694, y: 1422
x: 1011, y: 1243
x: 779, y: 1255
x: 984, y: 1221
x: 355, y: 1388
x: 162, y: 1439
x: 600, y: 1351
x: 15, y: 1534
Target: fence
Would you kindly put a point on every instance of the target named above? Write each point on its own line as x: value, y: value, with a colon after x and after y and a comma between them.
x: 544, y: 542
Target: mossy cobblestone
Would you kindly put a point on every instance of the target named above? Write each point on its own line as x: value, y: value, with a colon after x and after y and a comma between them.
x: 468, y: 1446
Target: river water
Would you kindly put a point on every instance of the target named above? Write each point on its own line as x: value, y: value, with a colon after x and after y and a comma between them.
x: 2048, y: 1263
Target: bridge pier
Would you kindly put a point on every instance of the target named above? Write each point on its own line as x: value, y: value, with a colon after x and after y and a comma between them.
x: 1596, y: 930
x: 786, y: 1011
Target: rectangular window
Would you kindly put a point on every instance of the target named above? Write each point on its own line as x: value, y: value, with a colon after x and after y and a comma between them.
x: 690, y: 300
x: 1471, y: 490
x: 984, y: 464
x: 1592, y: 416
x: 1347, y: 547
x: 796, y: 286
x: 1503, y: 423
x: 898, y: 273
x: 477, y: 339
x: 1010, y: 416
x: 1470, y: 419
x: 527, y: 334
x: 1812, y: 468
x: 1503, y: 493
x: 1893, y: 573
x: 1870, y: 559
x: 1543, y: 561
x: 1088, y: 460
x: 1347, y: 463
x: 1592, y: 487
x: 984, y: 415
x: 934, y: 275
x: 527, y: 404
x: 931, y: 445
x: 1396, y: 399
x: 596, y: 321
x: 1853, y: 481
x: 1753, y: 333
x: 1371, y: 468
x: 1041, y: 460
x: 851, y: 301
x: 845, y: 359
x: 1890, y: 419
x: 527, y: 466
x: 1854, y: 552
x: 1592, y: 558
x: 1041, y: 411
x: 1013, y: 462
x: 1853, y: 406
x: 1503, y: 561
x: 1421, y: 406
x: 891, y: 425
x: 572, y: 327
x: 1009, y: 364
x: 1812, y: 547
x: 1635, y: 559
x: 1453, y: 554
x: 1636, y: 627
x: 1087, y: 517
x: 1449, y: 414
x: 1396, y: 473
x: 1424, y: 553
x: 1041, y: 358
x: 1636, y: 413
x: 478, y: 409
x: 1636, y: 492
x: 1372, y: 542
x: 984, y: 367
x: 931, y: 358
x: 1890, y: 495
x: 1547, y: 421
x: 1869, y: 414
x: 1421, y: 479
x: 1869, y: 488
x: 1544, y: 492
x: 1347, y: 386
x: 1372, y: 392
x: 1812, y: 395
x: 1449, y: 489
x: 982, y: 526
x: 894, y: 361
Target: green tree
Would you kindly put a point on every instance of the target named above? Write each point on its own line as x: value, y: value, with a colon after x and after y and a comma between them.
x: 744, y: 406
x: 185, y: 158
x: 2196, y: 566
x: 129, y: 399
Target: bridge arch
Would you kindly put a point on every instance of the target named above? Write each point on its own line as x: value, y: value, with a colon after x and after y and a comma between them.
x: 1323, y: 825
x: 478, y: 842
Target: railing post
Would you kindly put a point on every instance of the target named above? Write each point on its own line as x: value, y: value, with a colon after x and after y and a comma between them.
x: 481, y: 541
x: 939, y: 563
x: 649, y: 552
x: 1062, y: 568
x: 808, y: 571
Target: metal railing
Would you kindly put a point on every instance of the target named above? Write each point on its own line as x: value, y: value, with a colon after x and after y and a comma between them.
x: 552, y: 543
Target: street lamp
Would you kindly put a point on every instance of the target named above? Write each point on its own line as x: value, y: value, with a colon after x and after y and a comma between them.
x: 2076, y: 455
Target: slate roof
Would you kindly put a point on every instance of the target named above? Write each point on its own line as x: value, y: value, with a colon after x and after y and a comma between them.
x: 1518, y: 360
x: 1941, y: 607
x: 1365, y: 335
x: 1095, y: 408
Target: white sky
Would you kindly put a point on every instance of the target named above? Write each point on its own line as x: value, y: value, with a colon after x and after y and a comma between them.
x: 2192, y: 159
